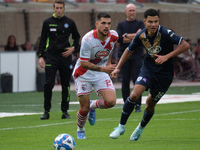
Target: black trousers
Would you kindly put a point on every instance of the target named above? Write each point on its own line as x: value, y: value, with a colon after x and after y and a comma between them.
x: 130, y: 71
x: 56, y: 62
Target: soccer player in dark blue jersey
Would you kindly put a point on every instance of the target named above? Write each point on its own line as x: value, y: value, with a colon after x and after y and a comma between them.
x: 156, y: 73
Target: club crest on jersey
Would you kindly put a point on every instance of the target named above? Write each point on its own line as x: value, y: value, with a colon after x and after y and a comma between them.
x: 66, y: 25
x: 84, y: 86
x: 102, y: 53
x: 139, y: 78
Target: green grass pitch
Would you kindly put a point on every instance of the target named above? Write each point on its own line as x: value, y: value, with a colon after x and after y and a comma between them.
x: 174, y: 126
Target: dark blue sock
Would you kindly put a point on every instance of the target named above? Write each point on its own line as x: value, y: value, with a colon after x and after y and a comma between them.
x: 127, y: 110
x: 146, y: 118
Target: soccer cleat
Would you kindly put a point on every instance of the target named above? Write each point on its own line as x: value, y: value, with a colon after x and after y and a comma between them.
x: 81, y: 135
x: 138, y: 108
x: 137, y: 133
x: 117, y: 132
x: 65, y: 115
x: 92, y: 116
x: 45, y: 116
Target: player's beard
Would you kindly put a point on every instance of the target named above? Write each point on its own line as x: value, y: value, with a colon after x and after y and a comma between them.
x: 103, y: 33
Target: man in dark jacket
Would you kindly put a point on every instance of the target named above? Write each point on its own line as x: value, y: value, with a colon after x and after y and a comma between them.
x: 130, y: 70
x: 55, y: 53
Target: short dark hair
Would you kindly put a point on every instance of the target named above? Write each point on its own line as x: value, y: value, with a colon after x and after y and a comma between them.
x: 59, y: 2
x: 102, y: 15
x: 151, y: 12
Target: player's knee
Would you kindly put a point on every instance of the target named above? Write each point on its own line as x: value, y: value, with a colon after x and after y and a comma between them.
x: 149, y: 108
x: 85, y: 110
x: 111, y: 102
x: 134, y: 97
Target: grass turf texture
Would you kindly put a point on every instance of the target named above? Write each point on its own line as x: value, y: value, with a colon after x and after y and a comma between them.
x: 174, y: 126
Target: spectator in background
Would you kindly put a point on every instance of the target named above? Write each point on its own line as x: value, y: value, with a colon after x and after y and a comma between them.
x: 198, y: 50
x: 127, y: 30
x: 11, y: 44
x: 26, y: 46
x: 185, y: 64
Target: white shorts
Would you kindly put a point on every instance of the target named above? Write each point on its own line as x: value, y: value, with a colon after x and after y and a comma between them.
x: 100, y: 82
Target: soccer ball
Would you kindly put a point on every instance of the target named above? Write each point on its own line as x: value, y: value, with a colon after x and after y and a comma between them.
x: 64, y: 142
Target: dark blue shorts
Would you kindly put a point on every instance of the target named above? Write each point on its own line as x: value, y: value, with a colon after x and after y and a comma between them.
x: 157, y: 83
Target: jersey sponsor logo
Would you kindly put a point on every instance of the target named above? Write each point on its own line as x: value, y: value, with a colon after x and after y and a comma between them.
x: 53, y: 29
x: 144, y: 79
x: 102, y: 54
x: 66, y: 25
x: 53, y: 25
x: 141, y: 78
x: 83, y: 52
x: 96, y: 46
x: 154, y: 50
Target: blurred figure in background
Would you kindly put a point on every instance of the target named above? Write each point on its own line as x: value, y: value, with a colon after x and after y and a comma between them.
x: 26, y: 46
x: 198, y: 50
x: 11, y: 44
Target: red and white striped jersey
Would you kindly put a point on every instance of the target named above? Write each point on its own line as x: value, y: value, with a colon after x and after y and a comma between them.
x: 95, y: 51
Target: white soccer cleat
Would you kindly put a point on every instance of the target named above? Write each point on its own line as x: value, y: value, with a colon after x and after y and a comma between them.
x: 117, y: 132
x: 137, y: 133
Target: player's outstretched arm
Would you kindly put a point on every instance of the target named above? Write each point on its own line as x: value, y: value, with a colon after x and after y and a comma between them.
x: 109, y: 68
x: 88, y: 65
x: 125, y: 56
x: 122, y: 60
x: 114, y: 73
x: 184, y: 46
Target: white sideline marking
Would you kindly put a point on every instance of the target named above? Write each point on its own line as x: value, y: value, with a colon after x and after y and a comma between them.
x: 4, y: 114
x: 106, y: 119
x: 165, y: 99
x: 171, y: 98
x: 43, y: 125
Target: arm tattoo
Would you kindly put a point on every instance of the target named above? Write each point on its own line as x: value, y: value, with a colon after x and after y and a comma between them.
x: 93, y: 67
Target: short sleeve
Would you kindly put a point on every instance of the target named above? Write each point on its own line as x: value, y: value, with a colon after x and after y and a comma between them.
x: 85, y: 51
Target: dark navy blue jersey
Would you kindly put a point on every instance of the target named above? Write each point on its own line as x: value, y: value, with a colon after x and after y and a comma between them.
x: 162, y: 43
x: 129, y: 27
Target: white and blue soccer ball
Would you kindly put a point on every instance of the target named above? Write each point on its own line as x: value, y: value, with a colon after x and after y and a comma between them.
x: 64, y: 142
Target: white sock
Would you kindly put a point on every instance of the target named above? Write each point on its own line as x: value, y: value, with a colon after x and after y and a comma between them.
x: 120, y: 125
x: 80, y: 129
x: 93, y: 105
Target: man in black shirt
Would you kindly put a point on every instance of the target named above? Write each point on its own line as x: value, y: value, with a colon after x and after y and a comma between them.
x: 55, y: 52
x: 127, y: 30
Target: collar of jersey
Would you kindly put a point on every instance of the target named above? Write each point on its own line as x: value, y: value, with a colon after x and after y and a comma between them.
x: 95, y: 33
x: 54, y: 15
